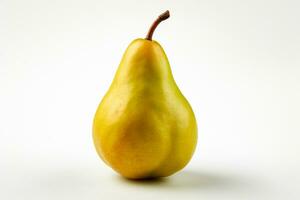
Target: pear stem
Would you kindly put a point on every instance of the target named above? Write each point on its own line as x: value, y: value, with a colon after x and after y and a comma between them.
x: 160, y: 18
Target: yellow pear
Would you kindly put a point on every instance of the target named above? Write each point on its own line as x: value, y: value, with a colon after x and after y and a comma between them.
x: 144, y: 127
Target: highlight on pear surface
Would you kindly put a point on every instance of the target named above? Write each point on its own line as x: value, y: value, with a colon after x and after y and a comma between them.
x: 144, y: 127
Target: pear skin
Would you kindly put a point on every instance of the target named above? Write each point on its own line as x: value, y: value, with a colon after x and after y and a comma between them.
x: 144, y: 127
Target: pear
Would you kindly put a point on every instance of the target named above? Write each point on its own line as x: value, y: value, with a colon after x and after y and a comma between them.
x: 144, y: 127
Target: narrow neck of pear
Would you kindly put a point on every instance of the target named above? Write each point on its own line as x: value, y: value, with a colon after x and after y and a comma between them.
x: 160, y: 18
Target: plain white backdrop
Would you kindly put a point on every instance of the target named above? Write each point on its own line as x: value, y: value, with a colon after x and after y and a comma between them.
x: 237, y: 62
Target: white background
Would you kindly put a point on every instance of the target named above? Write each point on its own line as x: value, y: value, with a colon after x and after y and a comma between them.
x: 237, y: 62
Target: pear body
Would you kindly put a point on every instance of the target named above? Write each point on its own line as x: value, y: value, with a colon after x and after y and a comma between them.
x: 144, y: 127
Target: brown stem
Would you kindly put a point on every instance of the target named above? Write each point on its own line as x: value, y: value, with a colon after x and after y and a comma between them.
x: 160, y: 18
